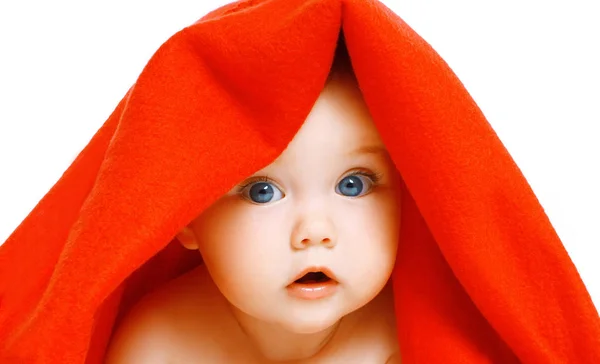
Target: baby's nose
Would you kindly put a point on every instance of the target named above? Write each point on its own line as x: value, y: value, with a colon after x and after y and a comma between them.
x: 314, y: 232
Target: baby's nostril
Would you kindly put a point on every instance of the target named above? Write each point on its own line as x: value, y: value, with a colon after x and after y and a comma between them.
x: 308, y: 241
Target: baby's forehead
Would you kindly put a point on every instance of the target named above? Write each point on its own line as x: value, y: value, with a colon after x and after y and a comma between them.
x: 340, y: 116
x: 338, y: 128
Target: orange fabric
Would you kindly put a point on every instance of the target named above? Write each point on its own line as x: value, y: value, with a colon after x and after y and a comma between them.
x: 481, y: 276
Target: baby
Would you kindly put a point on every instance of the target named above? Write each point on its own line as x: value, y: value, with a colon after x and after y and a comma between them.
x: 234, y: 144
x: 297, y: 258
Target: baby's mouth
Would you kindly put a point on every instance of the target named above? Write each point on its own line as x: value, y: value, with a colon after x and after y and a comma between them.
x: 313, y: 277
x: 314, y: 284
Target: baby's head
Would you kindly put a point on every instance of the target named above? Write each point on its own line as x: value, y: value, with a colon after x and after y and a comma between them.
x: 329, y: 202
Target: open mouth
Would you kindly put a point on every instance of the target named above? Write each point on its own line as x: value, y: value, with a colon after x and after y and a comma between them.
x: 313, y: 284
x: 313, y: 277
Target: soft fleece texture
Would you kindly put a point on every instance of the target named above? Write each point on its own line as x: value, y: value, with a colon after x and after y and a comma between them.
x: 481, y: 276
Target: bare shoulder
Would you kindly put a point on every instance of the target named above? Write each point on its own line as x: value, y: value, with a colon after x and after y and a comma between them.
x: 179, y: 322
x: 141, y: 337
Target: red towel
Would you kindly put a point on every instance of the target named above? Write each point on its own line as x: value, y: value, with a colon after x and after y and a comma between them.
x: 481, y: 276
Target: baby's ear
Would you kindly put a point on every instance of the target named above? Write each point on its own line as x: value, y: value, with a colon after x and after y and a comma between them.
x: 187, y: 238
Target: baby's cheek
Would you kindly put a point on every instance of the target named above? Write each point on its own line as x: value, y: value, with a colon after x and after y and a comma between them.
x: 373, y: 237
x: 388, y: 216
x: 240, y: 249
x: 378, y: 220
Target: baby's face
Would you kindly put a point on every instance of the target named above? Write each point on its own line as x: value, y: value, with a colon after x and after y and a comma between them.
x: 329, y: 202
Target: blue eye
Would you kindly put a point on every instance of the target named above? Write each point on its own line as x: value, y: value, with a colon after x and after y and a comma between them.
x: 264, y: 192
x: 354, y: 185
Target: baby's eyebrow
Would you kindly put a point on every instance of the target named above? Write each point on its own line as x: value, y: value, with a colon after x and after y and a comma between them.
x: 370, y: 149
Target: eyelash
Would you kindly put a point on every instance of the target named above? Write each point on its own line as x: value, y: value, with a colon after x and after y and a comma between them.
x: 253, y: 180
x: 375, y: 178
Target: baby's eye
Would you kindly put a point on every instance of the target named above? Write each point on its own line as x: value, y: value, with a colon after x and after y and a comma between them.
x: 262, y: 192
x: 355, y: 185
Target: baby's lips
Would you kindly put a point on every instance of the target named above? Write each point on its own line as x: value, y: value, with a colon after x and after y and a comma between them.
x: 314, y: 269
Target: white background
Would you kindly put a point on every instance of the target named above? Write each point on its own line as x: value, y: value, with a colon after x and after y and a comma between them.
x: 532, y: 66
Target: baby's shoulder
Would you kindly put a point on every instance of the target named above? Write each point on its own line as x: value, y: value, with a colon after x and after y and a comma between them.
x: 179, y: 322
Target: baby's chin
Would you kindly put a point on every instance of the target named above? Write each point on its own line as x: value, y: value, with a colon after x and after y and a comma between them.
x: 312, y: 320
x: 299, y: 316
x: 308, y: 326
